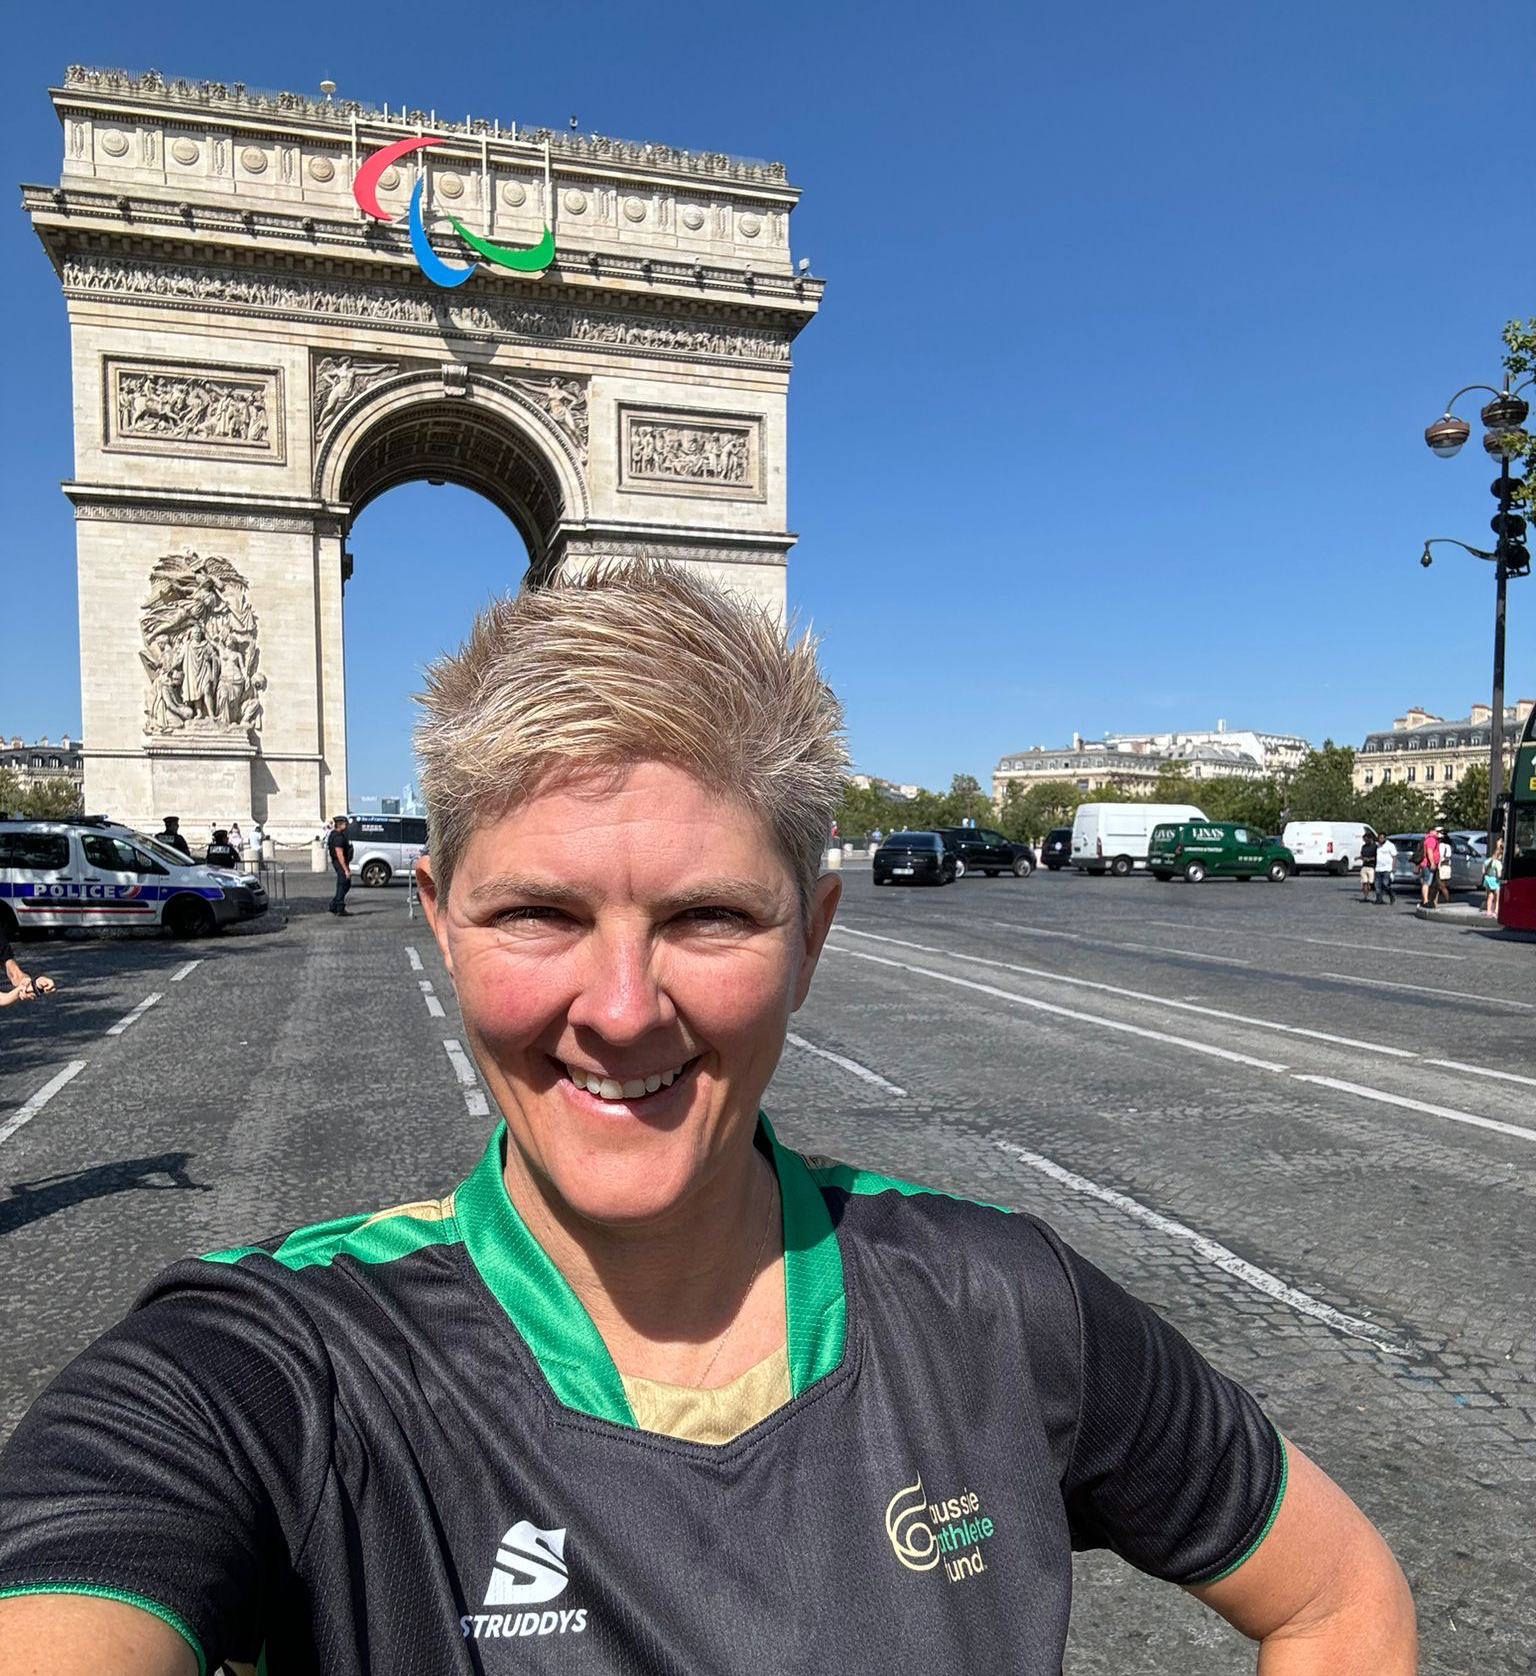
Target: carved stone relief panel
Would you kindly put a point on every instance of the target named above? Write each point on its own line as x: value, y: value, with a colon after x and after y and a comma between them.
x: 337, y: 379
x: 156, y: 407
x: 200, y: 652
x: 715, y: 454
x: 565, y: 401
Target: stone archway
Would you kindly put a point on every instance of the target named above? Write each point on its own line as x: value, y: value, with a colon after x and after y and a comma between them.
x: 254, y: 362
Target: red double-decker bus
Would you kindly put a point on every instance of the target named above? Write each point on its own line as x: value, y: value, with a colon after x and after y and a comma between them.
x: 1517, y: 895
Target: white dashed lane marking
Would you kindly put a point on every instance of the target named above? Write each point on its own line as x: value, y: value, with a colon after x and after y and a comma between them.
x: 1430, y: 992
x: 1228, y: 1261
x: 434, y: 1006
x: 474, y: 1097
x: 414, y: 958
x: 26, y: 1113
x: 131, y: 1018
x: 185, y: 971
x: 852, y: 1065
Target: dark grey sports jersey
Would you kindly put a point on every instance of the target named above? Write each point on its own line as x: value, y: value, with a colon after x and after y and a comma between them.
x: 398, y: 1444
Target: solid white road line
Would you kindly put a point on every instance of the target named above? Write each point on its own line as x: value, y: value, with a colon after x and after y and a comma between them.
x: 1430, y: 994
x: 847, y: 1064
x: 1322, y: 942
x: 1142, y: 995
x: 463, y: 1069
x: 1420, y: 1106
x: 26, y: 1113
x: 137, y: 1013
x: 185, y: 971
x: 434, y: 1006
x: 414, y: 958
x: 1482, y: 1071
x: 1094, y: 1019
x: 1108, y: 943
x: 1228, y: 1261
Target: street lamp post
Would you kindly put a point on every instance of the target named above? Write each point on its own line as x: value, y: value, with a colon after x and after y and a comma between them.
x: 1502, y: 417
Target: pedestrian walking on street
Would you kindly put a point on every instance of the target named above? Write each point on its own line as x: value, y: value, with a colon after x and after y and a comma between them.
x: 1428, y: 863
x: 1386, y: 860
x: 170, y: 833
x: 237, y: 840
x: 339, y: 848
x: 1493, y: 873
x: 1443, y: 868
x: 1368, y: 853
x: 15, y: 985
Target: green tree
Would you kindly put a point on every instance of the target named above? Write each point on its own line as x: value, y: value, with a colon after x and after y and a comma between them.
x: 1520, y: 359
x: 1028, y: 815
x: 1395, y: 808
x: 965, y: 800
x: 1465, y: 804
x: 47, y: 800
x: 1322, y: 788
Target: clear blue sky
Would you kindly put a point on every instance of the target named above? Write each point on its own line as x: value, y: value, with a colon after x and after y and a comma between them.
x: 1112, y: 417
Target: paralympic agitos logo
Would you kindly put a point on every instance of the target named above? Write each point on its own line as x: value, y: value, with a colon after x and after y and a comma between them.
x: 532, y: 260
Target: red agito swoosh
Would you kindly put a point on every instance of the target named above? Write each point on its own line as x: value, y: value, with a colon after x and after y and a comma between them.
x: 366, y: 182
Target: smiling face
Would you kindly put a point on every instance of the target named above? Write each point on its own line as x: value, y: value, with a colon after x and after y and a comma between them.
x: 627, y: 954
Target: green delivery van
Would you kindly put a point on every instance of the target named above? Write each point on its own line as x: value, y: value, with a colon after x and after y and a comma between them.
x: 1216, y: 850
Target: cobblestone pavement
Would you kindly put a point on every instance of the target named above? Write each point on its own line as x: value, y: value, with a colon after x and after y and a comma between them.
x: 1301, y: 1127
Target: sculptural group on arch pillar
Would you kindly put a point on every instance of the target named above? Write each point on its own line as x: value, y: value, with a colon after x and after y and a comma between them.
x: 200, y: 649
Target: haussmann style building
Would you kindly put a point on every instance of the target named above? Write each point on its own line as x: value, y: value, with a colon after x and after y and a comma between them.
x: 1424, y: 750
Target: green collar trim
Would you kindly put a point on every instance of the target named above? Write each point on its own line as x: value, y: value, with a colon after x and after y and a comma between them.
x: 568, y: 1348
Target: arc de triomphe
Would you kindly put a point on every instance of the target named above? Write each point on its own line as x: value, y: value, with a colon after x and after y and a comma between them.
x: 254, y: 360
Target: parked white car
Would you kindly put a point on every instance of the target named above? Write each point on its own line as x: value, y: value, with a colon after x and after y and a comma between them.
x: 1113, y: 837
x: 1333, y: 846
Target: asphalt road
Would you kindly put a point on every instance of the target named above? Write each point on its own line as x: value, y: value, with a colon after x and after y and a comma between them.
x: 1301, y: 1127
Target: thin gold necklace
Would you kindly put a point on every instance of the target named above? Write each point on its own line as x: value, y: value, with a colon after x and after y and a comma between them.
x: 698, y: 1384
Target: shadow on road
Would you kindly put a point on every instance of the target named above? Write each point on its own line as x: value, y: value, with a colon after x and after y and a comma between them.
x: 31, y: 1201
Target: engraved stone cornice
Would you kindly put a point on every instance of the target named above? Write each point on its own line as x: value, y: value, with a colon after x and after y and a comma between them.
x: 415, y: 308
x: 205, y: 99
x: 63, y: 215
x: 190, y: 508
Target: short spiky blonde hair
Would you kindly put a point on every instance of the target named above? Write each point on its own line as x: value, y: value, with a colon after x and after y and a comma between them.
x: 628, y: 663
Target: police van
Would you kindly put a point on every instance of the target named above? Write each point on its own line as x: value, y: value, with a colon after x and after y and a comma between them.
x: 385, y: 847
x: 1199, y: 850
x: 87, y: 870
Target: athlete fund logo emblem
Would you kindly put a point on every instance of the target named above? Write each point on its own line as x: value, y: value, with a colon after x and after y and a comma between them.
x: 922, y: 1533
x: 530, y: 1569
x: 365, y: 187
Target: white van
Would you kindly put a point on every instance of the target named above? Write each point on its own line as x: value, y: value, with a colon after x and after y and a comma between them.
x: 87, y: 870
x: 385, y: 847
x: 1113, y: 837
x: 1332, y: 845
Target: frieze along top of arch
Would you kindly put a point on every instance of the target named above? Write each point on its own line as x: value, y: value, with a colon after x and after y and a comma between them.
x: 237, y: 99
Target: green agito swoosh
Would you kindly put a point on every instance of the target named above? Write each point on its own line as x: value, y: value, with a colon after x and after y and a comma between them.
x: 534, y: 260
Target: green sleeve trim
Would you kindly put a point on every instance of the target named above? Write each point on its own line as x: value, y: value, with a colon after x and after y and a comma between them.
x: 380, y: 1237
x: 1274, y: 1512
x: 100, y: 1591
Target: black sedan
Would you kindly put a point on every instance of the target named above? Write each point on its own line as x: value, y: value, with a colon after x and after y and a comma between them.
x: 1056, y: 852
x: 915, y: 858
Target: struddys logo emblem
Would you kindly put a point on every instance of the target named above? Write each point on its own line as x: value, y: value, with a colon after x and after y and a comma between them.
x: 365, y: 189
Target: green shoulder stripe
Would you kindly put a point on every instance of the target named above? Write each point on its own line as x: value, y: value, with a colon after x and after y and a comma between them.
x: 379, y: 1237
x: 99, y: 1591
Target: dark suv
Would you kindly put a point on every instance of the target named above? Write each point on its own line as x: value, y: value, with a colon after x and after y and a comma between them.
x: 1058, y: 848
x: 982, y: 850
